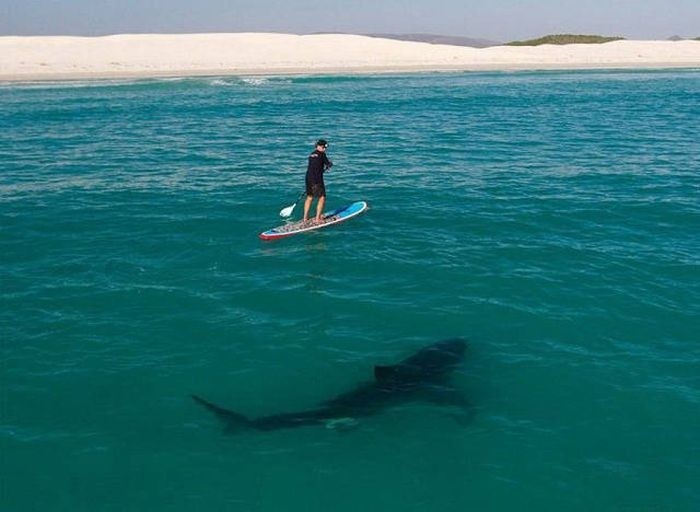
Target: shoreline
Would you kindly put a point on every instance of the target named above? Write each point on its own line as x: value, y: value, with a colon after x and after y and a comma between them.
x: 344, y: 71
x: 58, y: 58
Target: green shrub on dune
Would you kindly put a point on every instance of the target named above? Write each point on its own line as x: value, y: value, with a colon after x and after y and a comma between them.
x: 565, y: 39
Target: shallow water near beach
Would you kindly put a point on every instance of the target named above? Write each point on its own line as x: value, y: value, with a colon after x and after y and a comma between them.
x: 549, y: 218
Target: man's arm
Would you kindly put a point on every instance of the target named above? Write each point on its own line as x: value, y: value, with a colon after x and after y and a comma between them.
x: 327, y: 164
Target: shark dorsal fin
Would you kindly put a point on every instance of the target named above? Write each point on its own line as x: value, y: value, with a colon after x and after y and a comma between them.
x: 382, y: 373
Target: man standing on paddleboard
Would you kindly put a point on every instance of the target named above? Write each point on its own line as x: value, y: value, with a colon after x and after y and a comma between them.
x: 318, y: 164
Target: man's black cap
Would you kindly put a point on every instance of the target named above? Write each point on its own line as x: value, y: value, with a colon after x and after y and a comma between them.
x: 322, y: 142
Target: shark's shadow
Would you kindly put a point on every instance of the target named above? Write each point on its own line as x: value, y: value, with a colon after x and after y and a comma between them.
x: 424, y: 376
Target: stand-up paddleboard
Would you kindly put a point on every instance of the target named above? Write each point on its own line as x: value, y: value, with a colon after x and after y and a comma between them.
x: 329, y: 218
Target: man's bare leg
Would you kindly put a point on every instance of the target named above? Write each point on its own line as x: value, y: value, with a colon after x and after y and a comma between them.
x: 307, y: 207
x: 319, y: 207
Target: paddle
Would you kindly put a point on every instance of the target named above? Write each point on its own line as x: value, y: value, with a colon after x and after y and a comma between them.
x: 287, y: 212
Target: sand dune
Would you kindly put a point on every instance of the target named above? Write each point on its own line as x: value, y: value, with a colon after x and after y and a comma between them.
x: 56, y: 57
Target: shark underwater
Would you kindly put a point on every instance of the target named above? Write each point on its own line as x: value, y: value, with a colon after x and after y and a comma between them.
x: 423, y: 376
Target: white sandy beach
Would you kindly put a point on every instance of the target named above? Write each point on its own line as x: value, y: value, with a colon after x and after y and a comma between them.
x: 58, y: 57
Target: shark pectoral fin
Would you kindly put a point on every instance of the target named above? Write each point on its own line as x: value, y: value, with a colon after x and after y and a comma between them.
x: 449, y: 397
x: 382, y: 373
x: 464, y: 418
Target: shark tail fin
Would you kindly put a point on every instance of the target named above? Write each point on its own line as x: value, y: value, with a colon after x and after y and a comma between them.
x: 233, y: 420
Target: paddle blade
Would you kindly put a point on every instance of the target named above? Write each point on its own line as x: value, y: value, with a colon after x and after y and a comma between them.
x: 286, y: 212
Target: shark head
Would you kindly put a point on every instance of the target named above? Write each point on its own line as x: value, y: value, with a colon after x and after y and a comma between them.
x: 430, y: 363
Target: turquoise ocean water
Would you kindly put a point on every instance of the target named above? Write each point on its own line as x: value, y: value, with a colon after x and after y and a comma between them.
x: 552, y: 219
